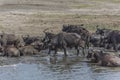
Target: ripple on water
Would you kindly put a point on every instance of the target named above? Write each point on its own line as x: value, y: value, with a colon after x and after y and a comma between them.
x: 57, y: 68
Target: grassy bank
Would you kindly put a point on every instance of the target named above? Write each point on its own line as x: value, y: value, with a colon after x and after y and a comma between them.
x: 55, y: 21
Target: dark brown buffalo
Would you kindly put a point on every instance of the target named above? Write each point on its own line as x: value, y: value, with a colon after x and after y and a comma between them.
x: 64, y: 40
x: 103, y: 32
x: 108, y: 37
x: 46, y: 40
x: 113, y: 39
x: 48, y: 37
x: 104, y: 59
x: 79, y: 29
x: 97, y: 40
x: 28, y: 39
x: 38, y: 45
x: 28, y: 50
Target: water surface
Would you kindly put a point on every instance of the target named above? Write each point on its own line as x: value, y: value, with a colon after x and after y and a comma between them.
x: 56, y: 68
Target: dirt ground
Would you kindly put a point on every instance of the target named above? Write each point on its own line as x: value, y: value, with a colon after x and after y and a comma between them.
x: 33, y: 16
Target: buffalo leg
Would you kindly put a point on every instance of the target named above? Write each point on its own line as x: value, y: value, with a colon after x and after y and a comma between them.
x: 55, y: 51
x: 115, y: 47
x: 86, y: 44
x: 77, y: 50
x: 83, y: 51
x: 65, y: 52
x: 49, y: 51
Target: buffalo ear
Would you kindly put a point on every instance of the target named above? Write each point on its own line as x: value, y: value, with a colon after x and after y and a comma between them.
x: 65, y: 27
x: 44, y: 31
x: 82, y: 25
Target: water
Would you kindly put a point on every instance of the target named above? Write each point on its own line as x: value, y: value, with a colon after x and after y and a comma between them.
x: 45, y: 67
x: 55, y: 68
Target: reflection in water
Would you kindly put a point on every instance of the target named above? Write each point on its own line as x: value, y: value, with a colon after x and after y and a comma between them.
x: 57, y: 68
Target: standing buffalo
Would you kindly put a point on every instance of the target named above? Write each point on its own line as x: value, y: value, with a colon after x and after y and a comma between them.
x: 106, y: 37
x: 103, y: 32
x: 97, y: 40
x: 113, y: 38
x: 46, y: 40
x: 84, y: 33
x: 64, y: 40
x: 28, y: 39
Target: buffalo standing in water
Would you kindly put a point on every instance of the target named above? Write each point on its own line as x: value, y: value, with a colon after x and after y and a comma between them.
x: 80, y: 30
x: 64, y: 40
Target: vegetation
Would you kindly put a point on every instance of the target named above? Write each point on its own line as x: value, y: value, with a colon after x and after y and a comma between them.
x: 90, y: 21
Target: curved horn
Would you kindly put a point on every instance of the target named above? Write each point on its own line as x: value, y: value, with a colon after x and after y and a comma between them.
x: 45, y: 30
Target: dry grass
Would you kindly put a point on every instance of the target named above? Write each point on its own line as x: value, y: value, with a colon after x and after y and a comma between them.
x: 33, y: 16
x: 55, y: 21
x: 34, y: 24
x: 112, y: 1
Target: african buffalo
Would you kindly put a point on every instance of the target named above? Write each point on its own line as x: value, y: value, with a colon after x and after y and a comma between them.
x: 113, y: 38
x: 104, y: 58
x: 106, y: 37
x: 11, y: 51
x: 11, y: 39
x: 64, y: 40
x: 46, y: 40
x: 28, y: 50
x: 28, y: 39
x: 79, y: 29
x: 103, y: 32
x: 38, y: 45
x: 97, y: 40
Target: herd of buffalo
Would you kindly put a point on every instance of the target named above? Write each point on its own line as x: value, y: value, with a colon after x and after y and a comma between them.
x: 71, y: 36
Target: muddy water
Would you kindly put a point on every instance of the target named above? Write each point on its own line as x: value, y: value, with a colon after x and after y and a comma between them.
x: 43, y: 67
